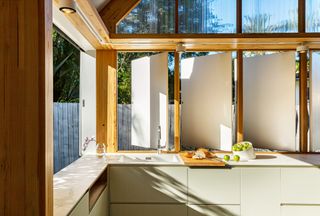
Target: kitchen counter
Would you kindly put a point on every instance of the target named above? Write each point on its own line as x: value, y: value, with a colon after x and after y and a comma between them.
x: 71, y: 183
x: 279, y: 160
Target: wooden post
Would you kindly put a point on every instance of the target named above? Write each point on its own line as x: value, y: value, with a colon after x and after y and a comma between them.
x: 177, y: 131
x: 176, y: 17
x: 302, y: 16
x: 107, y: 99
x: 239, y: 16
x: 239, y: 106
x: 303, y: 110
x: 26, y: 103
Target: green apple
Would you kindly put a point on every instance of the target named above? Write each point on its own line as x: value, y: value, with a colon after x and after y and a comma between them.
x: 226, y: 158
x: 236, y: 158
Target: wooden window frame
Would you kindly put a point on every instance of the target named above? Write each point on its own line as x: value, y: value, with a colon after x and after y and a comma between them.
x: 257, y: 39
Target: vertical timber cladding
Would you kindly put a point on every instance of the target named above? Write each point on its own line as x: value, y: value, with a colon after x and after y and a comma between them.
x: 107, y: 98
x: 26, y: 102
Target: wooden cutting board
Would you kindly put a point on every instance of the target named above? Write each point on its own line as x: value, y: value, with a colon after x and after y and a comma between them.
x: 208, y: 162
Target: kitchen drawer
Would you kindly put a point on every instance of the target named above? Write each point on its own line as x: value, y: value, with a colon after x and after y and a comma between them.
x: 213, y: 186
x: 82, y: 208
x: 300, y: 210
x: 100, y: 208
x: 148, y: 210
x: 149, y: 184
x: 213, y: 210
x: 300, y: 186
x: 260, y: 191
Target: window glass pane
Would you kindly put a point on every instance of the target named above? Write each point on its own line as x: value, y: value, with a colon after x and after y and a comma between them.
x: 313, y: 16
x: 150, y: 16
x: 207, y: 16
x: 267, y: 16
x: 66, y: 87
x: 145, y: 97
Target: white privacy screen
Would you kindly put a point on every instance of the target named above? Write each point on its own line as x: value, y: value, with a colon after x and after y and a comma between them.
x: 206, y: 87
x: 87, y: 96
x: 149, y: 89
x: 269, y: 101
x: 315, y: 102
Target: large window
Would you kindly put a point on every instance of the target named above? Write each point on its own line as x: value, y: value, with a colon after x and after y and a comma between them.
x: 66, y: 68
x: 218, y: 16
x: 145, y: 101
x: 207, y: 16
x: 269, y: 16
x: 150, y: 16
x: 313, y: 15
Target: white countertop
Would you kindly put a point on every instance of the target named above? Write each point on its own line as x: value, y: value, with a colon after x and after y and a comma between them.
x: 71, y: 183
x: 279, y: 160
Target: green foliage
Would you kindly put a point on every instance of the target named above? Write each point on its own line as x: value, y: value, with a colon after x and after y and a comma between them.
x: 66, y: 69
x: 124, y: 74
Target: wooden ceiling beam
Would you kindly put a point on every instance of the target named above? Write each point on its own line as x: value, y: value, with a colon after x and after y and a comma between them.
x: 205, y: 42
x: 115, y: 11
x: 100, y: 39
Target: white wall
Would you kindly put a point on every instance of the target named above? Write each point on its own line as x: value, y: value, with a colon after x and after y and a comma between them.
x: 315, y: 102
x: 87, y: 97
x: 269, y: 101
x: 149, y: 89
x: 207, y: 101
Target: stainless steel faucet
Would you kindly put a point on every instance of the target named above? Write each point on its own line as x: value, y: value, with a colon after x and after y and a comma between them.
x: 159, y: 139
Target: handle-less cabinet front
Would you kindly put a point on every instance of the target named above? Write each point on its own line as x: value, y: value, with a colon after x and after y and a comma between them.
x: 213, y: 210
x: 214, y: 186
x: 148, y: 184
x: 82, y: 208
x: 260, y: 191
x: 300, y: 186
x: 100, y: 208
x: 299, y: 210
x: 148, y: 210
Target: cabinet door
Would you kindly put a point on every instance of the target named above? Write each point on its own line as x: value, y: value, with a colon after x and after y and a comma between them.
x: 260, y: 191
x: 82, y: 208
x: 300, y: 185
x: 300, y: 210
x: 148, y: 210
x: 135, y: 184
x: 214, y: 210
x: 213, y: 186
x: 101, y: 206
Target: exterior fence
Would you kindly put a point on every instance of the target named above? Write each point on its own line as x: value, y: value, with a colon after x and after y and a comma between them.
x: 124, y: 127
x: 65, y: 134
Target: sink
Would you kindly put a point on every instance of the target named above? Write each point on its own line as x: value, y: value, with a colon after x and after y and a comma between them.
x: 144, y: 158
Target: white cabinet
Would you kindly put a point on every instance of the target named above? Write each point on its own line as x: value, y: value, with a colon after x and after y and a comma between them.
x: 260, y: 191
x: 300, y: 186
x: 82, y: 208
x: 100, y: 208
x: 213, y: 210
x: 300, y: 210
x: 149, y: 184
x: 213, y: 186
x: 148, y: 210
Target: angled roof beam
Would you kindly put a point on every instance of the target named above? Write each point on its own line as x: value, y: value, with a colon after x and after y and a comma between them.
x: 89, y: 23
x: 115, y: 11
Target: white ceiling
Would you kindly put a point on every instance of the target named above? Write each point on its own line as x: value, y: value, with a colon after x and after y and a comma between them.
x: 100, y: 3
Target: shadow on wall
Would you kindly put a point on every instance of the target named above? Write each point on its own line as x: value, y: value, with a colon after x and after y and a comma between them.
x: 171, y: 190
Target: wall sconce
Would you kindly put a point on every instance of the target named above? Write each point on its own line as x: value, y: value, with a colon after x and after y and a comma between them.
x: 67, y: 6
